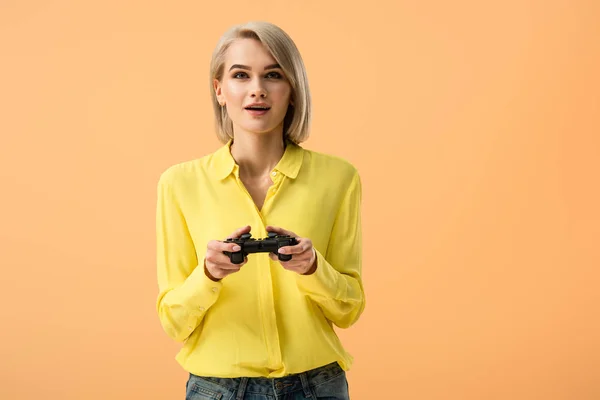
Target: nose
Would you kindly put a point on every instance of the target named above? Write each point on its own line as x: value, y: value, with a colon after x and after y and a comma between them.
x: 258, y: 90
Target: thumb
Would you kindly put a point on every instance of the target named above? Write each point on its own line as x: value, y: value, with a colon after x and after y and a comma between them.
x: 239, y: 232
x: 280, y: 231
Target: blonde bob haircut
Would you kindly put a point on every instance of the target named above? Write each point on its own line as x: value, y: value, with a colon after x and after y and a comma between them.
x: 296, y: 123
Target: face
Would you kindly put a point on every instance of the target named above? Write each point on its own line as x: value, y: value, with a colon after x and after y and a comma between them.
x: 253, y: 88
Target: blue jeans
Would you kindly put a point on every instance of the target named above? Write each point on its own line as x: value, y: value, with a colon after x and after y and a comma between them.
x: 325, y: 383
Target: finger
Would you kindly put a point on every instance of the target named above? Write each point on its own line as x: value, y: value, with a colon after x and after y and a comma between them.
x: 227, y: 263
x: 216, y: 272
x: 302, y: 246
x: 239, y: 232
x: 228, y: 267
x: 220, y: 246
x: 300, y: 258
x: 220, y: 260
x: 300, y: 267
x: 274, y: 257
x: 280, y: 231
x: 223, y: 262
x: 297, y: 259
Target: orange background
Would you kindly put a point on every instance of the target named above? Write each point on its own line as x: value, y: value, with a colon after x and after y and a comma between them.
x: 475, y: 126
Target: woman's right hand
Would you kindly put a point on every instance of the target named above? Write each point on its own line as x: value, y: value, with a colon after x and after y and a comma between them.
x: 217, y: 265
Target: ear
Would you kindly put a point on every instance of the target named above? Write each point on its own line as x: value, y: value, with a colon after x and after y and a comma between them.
x: 218, y: 92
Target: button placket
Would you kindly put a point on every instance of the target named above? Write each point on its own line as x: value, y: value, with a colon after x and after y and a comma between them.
x: 272, y: 191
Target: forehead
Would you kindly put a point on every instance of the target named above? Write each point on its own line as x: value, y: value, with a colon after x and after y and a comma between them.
x: 249, y: 52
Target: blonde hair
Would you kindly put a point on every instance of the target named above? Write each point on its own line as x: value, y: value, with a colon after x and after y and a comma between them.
x: 297, y: 120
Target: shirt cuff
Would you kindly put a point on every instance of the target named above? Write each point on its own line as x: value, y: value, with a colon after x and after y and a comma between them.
x: 321, y: 283
x: 199, y: 291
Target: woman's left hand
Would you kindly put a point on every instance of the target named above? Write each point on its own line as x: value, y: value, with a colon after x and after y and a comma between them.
x: 304, y: 257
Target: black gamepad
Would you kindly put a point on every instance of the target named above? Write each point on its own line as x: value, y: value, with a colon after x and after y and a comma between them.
x: 270, y: 244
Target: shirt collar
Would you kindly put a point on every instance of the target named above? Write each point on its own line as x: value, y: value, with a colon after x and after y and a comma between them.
x: 223, y: 163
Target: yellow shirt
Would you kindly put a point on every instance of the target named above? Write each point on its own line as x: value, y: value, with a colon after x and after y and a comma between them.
x: 263, y: 320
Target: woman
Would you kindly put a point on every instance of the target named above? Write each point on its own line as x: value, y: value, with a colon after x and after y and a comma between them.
x: 262, y: 328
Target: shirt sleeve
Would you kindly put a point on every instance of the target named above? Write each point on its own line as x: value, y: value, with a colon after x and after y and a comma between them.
x: 185, y: 292
x: 336, y: 285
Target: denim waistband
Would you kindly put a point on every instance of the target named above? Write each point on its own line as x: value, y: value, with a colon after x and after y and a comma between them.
x: 281, y: 386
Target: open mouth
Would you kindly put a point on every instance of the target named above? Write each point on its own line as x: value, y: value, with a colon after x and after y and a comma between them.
x: 257, y: 110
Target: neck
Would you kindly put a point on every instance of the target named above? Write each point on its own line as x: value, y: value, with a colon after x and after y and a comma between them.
x: 257, y: 155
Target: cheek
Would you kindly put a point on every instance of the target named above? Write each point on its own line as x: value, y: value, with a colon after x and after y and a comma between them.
x: 233, y: 91
x: 281, y: 93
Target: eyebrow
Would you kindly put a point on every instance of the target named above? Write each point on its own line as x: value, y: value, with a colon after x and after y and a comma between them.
x: 240, y: 66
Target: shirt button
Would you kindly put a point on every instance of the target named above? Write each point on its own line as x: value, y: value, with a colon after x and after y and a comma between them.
x: 201, y: 308
x: 214, y: 289
x: 273, y: 173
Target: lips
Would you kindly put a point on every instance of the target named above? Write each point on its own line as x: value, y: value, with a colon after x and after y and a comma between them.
x: 257, y: 109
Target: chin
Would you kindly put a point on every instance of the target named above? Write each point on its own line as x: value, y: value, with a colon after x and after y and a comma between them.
x: 261, y: 133
x: 260, y: 130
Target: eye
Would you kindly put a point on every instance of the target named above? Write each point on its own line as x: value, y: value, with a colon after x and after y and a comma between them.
x: 274, y: 75
x: 240, y: 75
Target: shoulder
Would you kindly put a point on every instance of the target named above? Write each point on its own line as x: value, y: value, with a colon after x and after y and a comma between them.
x: 185, y: 172
x: 332, y: 166
x: 318, y: 159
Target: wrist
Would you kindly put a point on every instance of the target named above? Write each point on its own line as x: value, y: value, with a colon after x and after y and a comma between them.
x: 313, y: 267
x: 208, y: 275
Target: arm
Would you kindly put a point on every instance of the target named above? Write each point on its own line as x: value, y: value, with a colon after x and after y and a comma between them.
x: 336, y: 284
x: 185, y: 292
